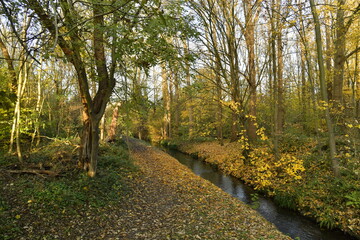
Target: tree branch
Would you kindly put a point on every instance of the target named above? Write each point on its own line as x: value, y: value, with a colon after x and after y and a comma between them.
x: 39, y: 172
x: 352, y: 52
x: 11, y: 20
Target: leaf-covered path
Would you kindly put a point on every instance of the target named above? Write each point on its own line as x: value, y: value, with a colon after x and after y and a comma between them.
x: 173, y: 203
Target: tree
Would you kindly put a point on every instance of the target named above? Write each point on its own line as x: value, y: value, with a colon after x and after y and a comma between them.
x: 319, y: 49
x: 10, y: 66
x: 19, y: 80
x: 72, y: 47
x: 188, y: 92
x: 340, y: 55
x: 251, y: 10
x: 308, y: 88
x: 224, y: 32
x: 112, y: 128
x: 167, y: 128
x: 107, y: 32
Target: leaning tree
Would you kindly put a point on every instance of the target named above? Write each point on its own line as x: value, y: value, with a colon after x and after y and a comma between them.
x: 95, y: 36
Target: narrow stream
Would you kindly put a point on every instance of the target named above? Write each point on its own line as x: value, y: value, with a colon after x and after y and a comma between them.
x: 287, y: 221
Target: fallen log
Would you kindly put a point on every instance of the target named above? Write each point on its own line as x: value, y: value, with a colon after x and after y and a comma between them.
x: 39, y: 172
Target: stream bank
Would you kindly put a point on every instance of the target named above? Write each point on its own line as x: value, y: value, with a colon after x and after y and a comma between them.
x: 287, y: 221
x: 312, y: 194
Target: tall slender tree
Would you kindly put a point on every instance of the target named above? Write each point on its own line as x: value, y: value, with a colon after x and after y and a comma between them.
x: 319, y: 49
x: 251, y: 10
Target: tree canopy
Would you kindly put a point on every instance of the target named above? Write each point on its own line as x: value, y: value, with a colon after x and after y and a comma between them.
x: 179, y: 69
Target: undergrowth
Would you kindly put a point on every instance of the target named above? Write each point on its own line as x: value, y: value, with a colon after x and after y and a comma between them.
x: 71, y: 192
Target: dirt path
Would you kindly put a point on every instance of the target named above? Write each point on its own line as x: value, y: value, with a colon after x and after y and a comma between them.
x: 173, y: 203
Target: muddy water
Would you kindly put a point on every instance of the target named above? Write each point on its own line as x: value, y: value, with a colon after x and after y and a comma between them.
x: 287, y: 221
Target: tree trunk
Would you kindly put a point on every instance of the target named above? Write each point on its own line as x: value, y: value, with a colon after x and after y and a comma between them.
x: 250, y: 42
x: 189, y: 95
x: 189, y: 103
x: 339, y: 56
x: 113, y: 124
x: 191, y: 120
x: 170, y: 104
x: 357, y: 87
x: 176, y: 103
x: 89, y: 147
x: 234, y: 70
x: 329, y: 81
x: 10, y: 66
x: 102, y: 128
x: 18, y: 84
x: 166, y: 104
x: 305, y: 52
x: 280, y: 66
x: 275, y: 83
x: 15, y: 131
x: 14, y: 124
x: 38, y: 109
x: 319, y: 48
x: 212, y: 38
x: 219, y: 109
x: 304, y: 96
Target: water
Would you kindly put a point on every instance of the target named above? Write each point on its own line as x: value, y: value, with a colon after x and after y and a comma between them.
x: 287, y: 221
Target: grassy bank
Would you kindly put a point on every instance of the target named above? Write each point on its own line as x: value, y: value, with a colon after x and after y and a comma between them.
x: 299, y: 179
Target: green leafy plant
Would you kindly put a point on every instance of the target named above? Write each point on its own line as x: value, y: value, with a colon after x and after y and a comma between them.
x: 326, y: 218
x: 255, y: 201
x: 353, y: 199
x: 284, y: 199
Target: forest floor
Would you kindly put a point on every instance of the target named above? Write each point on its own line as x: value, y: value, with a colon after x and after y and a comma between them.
x: 157, y: 199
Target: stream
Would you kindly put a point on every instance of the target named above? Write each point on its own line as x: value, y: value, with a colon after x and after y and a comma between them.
x: 289, y: 222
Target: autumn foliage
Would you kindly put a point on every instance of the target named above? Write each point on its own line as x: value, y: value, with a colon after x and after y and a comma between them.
x: 299, y: 179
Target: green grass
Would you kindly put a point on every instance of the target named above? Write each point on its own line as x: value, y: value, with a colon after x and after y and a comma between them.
x: 286, y: 199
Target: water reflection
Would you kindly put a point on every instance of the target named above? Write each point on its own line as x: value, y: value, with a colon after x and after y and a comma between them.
x: 288, y: 222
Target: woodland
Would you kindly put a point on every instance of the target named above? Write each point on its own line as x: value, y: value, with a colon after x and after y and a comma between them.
x: 266, y: 90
